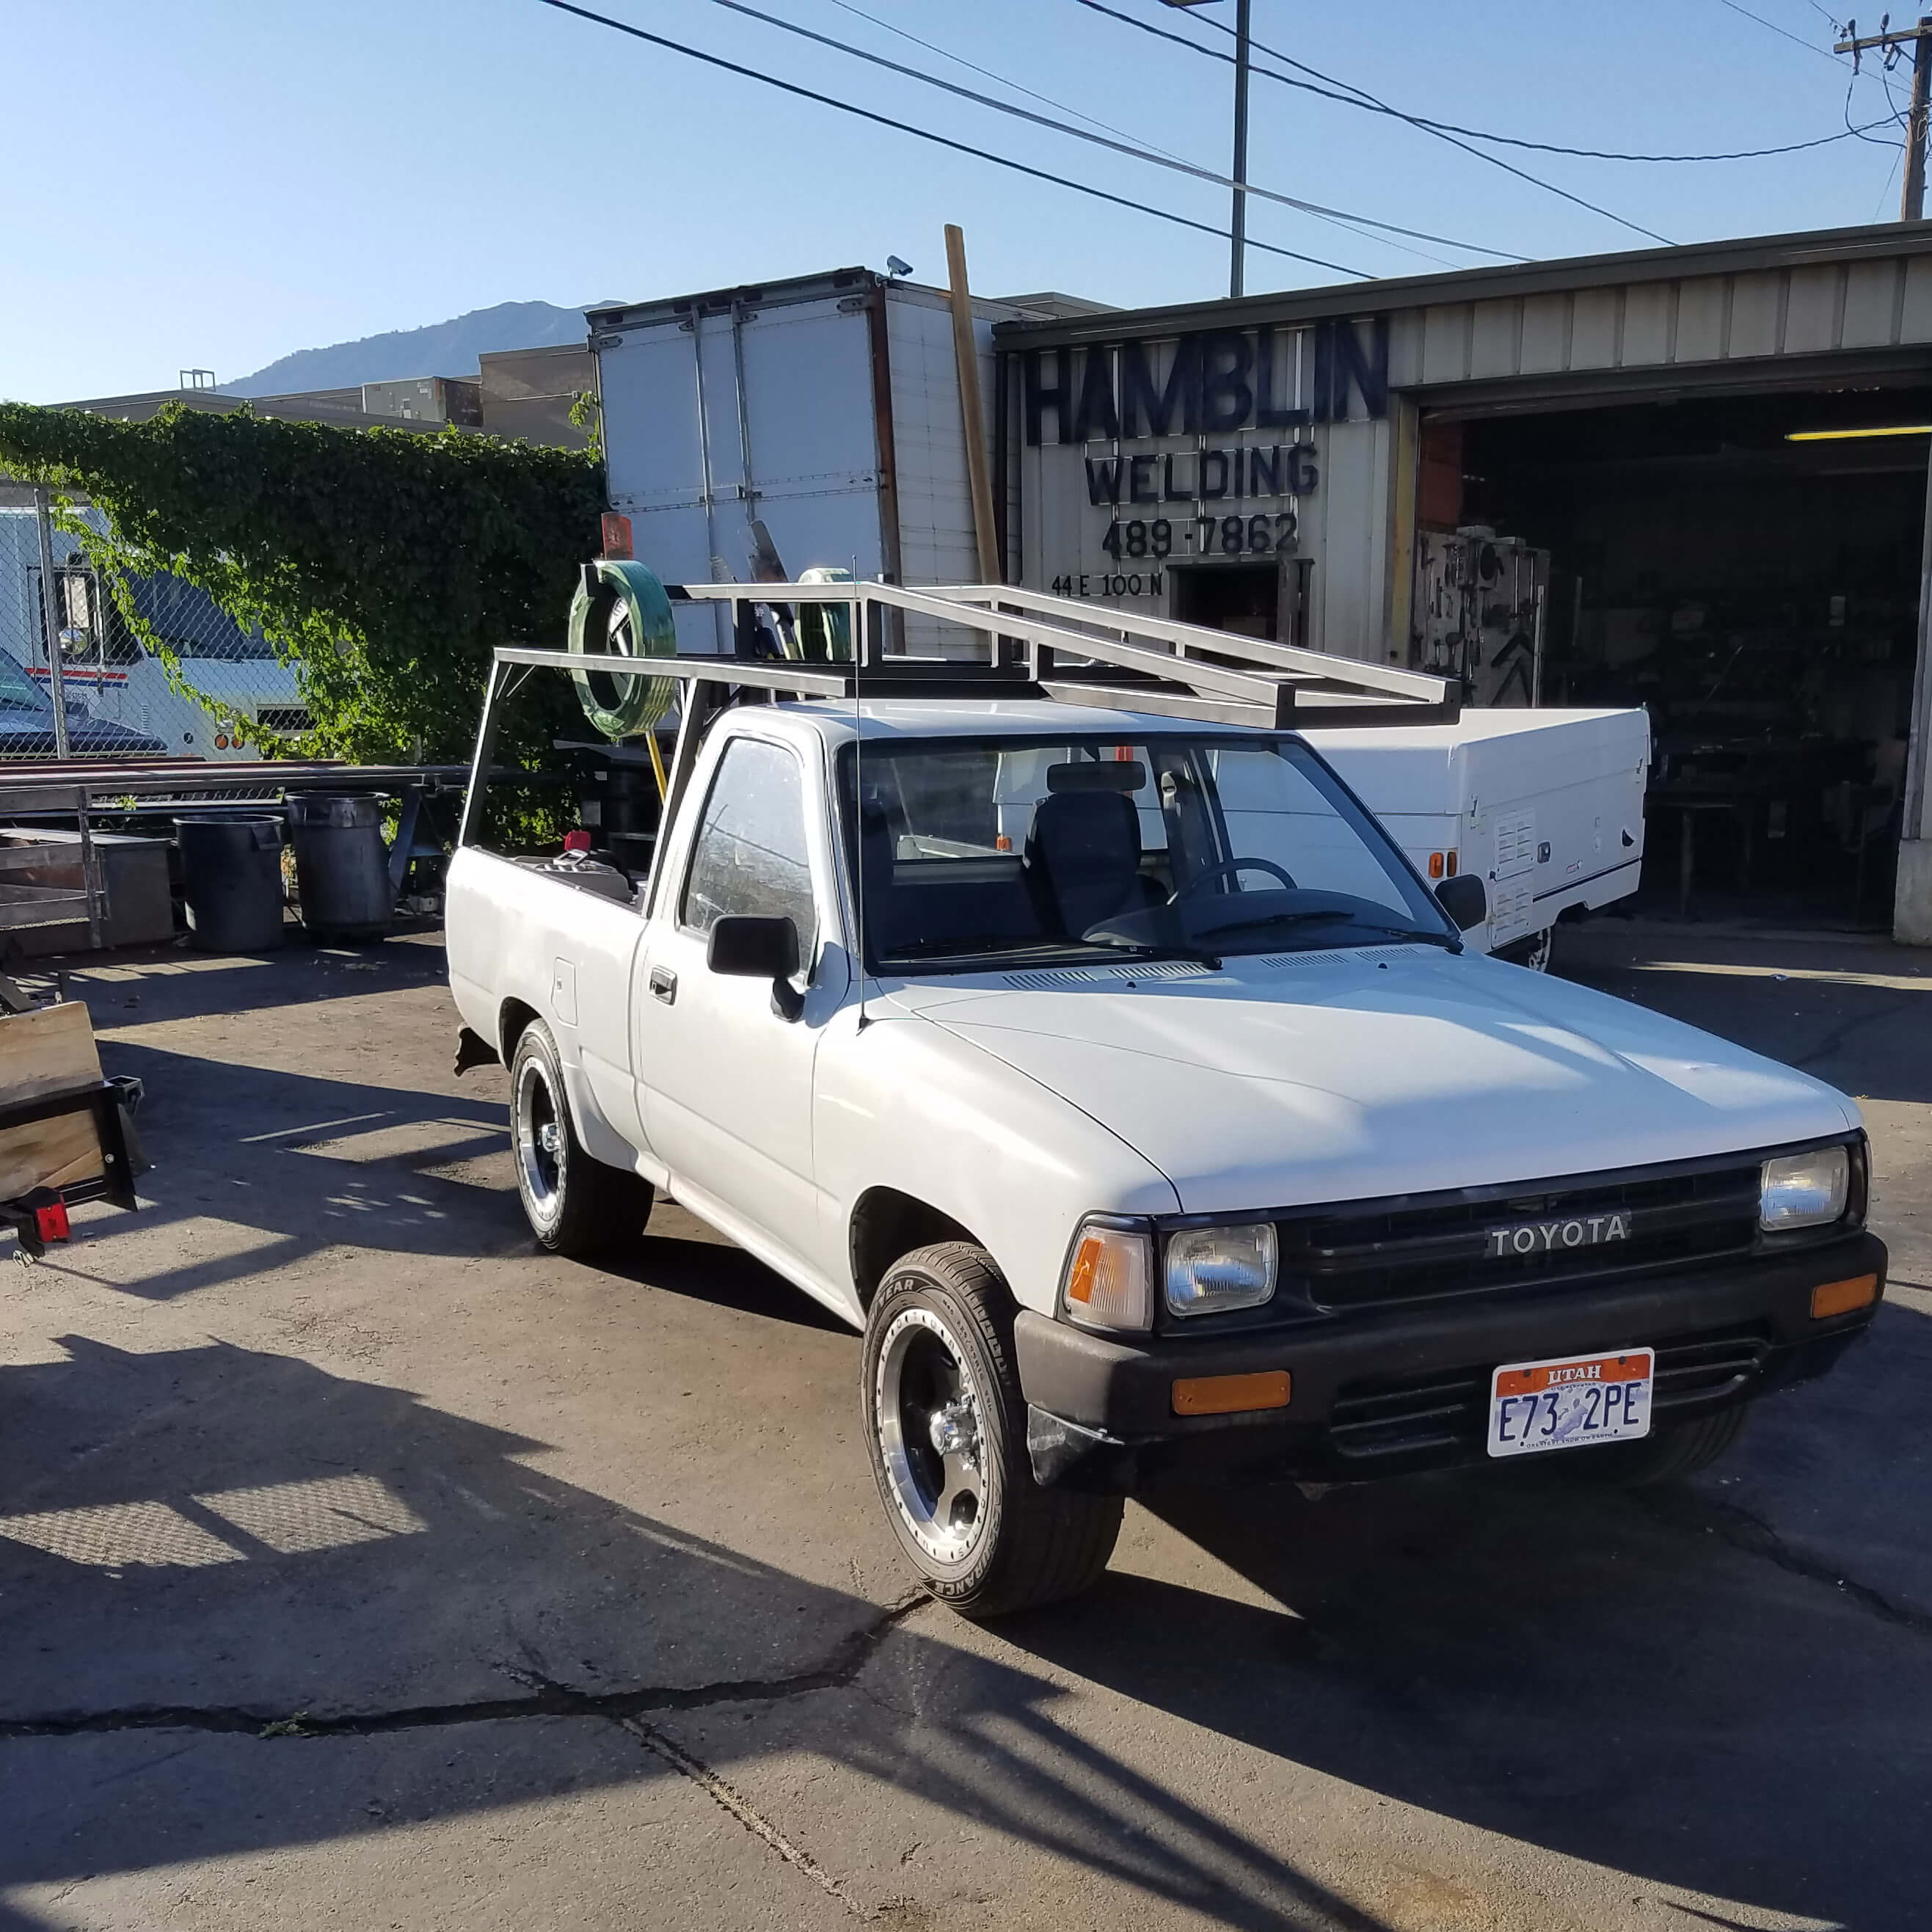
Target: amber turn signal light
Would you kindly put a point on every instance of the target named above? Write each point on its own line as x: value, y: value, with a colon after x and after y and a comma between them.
x: 1840, y: 1297
x: 1229, y: 1395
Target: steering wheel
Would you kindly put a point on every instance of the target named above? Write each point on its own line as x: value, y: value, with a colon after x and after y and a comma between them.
x: 1228, y: 867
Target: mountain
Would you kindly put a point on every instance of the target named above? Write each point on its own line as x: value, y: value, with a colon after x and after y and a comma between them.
x: 442, y: 349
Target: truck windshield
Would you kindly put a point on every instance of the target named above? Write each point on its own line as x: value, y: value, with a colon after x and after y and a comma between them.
x: 982, y: 851
x: 18, y: 692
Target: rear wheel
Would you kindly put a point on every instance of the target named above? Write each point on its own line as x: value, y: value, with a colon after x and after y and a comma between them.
x: 1665, y: 1455
x: 575, y: 1205
x: 1533, y: 952
x: 946, y: 1425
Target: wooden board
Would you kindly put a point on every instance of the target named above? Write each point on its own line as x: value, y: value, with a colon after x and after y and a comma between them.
x: 54, y: 1153
x: 50, y: 1050
x: 47, y: 1050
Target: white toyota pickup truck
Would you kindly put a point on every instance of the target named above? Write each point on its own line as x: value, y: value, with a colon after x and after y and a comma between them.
x: 1119, y: 1078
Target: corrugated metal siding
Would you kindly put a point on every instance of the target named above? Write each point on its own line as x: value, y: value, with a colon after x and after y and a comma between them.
x: 1821, y: 310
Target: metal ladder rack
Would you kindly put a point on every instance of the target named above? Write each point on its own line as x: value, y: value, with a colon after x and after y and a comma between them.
x: 1037, y: 647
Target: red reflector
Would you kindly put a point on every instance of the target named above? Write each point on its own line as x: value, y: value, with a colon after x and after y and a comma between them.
x: 52, y: 1223
x: 617, y: 534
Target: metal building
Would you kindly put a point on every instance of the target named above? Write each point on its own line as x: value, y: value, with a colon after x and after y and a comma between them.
x: 1691, y: 478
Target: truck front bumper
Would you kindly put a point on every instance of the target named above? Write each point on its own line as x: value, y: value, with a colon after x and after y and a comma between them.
x: 1405, y: 1389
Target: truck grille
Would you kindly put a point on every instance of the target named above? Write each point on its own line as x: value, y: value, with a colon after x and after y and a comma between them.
x: 1447, y: 1410
x: 1396, y: 1251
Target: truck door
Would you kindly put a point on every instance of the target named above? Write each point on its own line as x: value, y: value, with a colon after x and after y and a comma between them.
x: 725, y: 1082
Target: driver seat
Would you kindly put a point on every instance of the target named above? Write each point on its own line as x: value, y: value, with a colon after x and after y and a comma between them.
x: 1083, y: 857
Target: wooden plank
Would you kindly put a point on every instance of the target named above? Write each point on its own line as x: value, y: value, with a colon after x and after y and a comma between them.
x: 54, y: 1153
x: 50, y: 1050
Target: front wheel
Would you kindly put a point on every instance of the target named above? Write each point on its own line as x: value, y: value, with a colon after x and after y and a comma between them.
x: 575, y: 1205
x: 946, y: 1425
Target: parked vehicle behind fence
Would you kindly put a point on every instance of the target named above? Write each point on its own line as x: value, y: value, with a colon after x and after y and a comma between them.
x: 110, y: 676
x: 27, y: 724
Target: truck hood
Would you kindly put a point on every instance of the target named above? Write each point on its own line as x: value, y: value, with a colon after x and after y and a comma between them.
x: 1355, y: 1075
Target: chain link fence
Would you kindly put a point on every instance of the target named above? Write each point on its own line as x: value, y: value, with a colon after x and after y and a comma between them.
x: 84, y: 657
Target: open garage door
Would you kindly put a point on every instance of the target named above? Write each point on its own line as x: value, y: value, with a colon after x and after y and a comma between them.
x: 1748, y: 569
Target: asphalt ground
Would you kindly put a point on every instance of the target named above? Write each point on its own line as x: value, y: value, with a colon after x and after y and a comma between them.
x: 361, y: 1567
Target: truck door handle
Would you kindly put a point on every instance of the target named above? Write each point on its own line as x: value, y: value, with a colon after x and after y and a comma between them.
x: 664, y: 984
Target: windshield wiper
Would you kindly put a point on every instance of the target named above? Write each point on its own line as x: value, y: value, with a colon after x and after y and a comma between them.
x: 1297, y: 918
x: 1152, y: 948
x: 1004, y: 943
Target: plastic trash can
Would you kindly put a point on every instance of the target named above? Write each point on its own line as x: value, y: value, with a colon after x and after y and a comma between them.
x: 232, y: 879
x: 342, y: 867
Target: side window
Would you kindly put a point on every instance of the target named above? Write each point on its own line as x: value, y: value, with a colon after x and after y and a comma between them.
x: 750, y: 852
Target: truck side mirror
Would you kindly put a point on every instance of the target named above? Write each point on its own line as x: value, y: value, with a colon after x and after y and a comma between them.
x: 748, y: 947
x: 1463, y: 898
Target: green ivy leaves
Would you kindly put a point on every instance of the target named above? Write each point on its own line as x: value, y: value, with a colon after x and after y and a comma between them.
x: 386, y: 564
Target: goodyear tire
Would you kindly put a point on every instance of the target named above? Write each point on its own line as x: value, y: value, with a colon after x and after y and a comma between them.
x: 620, y: 610
x: 945, y: 1427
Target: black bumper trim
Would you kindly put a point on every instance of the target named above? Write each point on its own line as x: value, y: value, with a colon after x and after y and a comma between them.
x: 1100, y: 1409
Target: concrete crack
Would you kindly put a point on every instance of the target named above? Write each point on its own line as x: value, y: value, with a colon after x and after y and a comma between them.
x: 722, y: 1793
x: 1755, y: 1537
x: 544, y: 1698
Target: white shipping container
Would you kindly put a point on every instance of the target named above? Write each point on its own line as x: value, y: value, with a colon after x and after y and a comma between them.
x: 1545, y: 806
x: 826, y: 407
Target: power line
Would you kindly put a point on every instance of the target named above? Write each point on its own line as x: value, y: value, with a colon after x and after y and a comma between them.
x: 973, y: 67
x: 938, y: 140
x: 1370, y: 101
x: 1132, y: 151
x: 1107, y: 127
x: 1784, y: 33
x: 1895, y: 118
x: 1358, y: 97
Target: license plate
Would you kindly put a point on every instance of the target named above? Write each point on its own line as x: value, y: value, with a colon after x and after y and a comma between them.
x: 1569, y: 1403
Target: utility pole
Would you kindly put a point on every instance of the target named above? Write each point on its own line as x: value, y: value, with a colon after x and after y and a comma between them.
x: 1912, y: 196
x: 1237, y: 226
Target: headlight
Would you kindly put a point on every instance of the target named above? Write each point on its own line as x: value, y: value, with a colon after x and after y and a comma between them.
x: 1209, y: 1270
x: 1804, y: 1190
x: 1110, y: 1277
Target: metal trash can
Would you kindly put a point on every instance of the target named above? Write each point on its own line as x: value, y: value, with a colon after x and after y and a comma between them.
x: 342, y: 867
x: 232, y: 879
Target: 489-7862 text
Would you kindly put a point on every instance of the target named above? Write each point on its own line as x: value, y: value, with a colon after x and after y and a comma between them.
x: 1262, y: 534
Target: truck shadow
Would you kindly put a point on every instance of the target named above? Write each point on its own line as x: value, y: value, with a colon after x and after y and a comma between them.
x: 293, y: 1591
x: 308, y: 1163
x: 1660, y: 1682
x: 201, y: 1544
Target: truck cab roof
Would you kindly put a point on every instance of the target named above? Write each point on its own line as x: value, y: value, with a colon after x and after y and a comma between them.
x: 886, y: 718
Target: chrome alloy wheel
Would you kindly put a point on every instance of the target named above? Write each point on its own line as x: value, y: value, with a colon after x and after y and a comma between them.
x: 537, y: 1127
x: 930, y: 1440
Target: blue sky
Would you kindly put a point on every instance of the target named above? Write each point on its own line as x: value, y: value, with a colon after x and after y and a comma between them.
x: 221, y: 183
